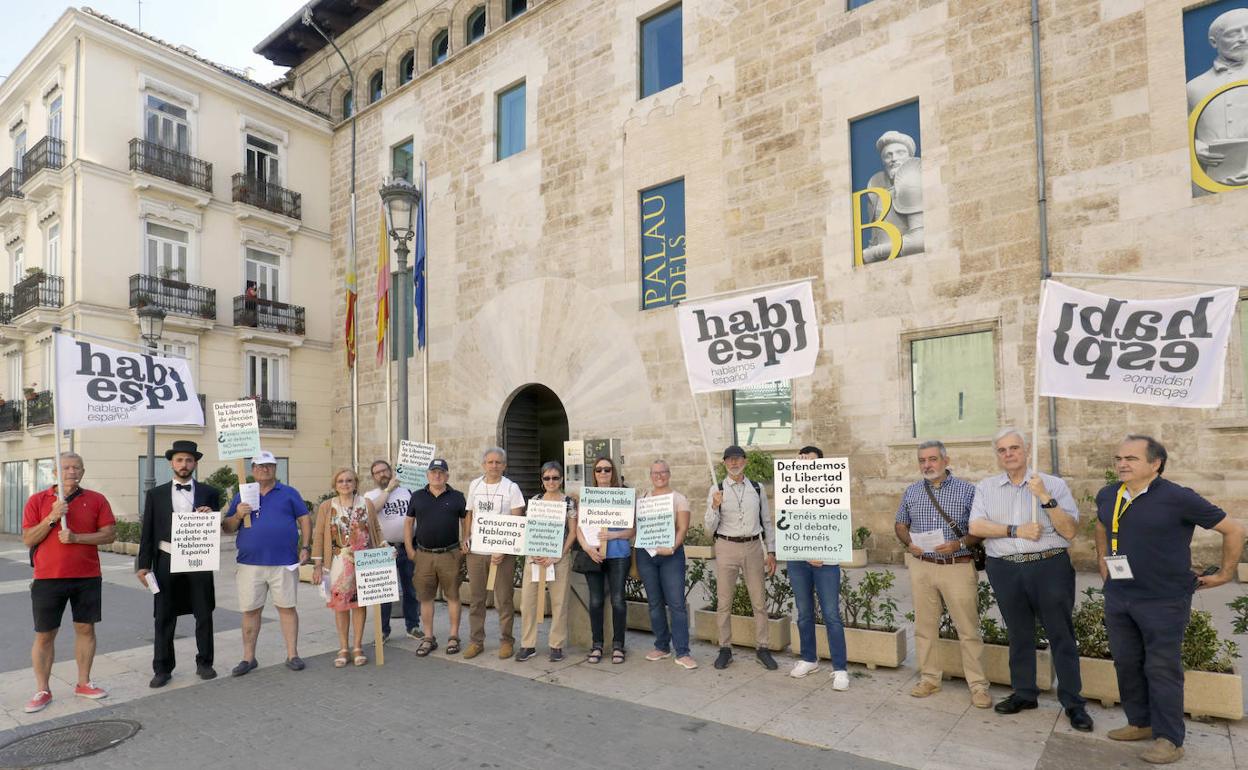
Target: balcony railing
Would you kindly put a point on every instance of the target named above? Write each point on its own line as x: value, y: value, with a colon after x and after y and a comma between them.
x: 39, y: 409
x: 38, y: 290
x: 6, y: 308
x: 48, y: 152
x: 268, y: 314
x: 152, y: 158
x: 173, y: 296
x: 11, y: 184
x: 268, y: 196
x: 10, y: 416
x: 276, y: 415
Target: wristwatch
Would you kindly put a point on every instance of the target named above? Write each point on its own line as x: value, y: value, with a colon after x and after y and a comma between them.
x: 1052, y: 503
x: 1011, y: 531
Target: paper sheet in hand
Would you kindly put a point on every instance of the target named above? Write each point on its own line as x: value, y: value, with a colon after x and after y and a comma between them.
x: 151, y: 583
x: 535, y: 573
x: 250, y: 494
x: 928, y: 540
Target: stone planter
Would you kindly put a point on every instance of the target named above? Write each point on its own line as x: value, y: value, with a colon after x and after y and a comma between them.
x: 699, y: 552
x: 639, y: 616
x: 871, y: 648
x: 131, y: 549
x: 705, y: 628
x: 1205, y: 694
x: 1242, y: 571
x: 996, y: 663
x: 858, y: 559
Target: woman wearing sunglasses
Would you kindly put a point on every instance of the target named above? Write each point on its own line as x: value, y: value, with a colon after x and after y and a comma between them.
x: 612, y: 556
x: 552, y: 489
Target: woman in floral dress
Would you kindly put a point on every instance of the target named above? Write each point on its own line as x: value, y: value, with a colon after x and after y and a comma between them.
x: 345, y: 523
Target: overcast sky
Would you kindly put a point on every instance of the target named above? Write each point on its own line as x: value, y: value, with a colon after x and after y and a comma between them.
x: 224, y: 31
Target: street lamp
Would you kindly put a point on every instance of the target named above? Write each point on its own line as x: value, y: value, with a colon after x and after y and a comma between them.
x: 400, y: 198
x: 151, y: 328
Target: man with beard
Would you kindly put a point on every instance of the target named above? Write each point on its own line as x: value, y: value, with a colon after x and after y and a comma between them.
x: 392, y: 502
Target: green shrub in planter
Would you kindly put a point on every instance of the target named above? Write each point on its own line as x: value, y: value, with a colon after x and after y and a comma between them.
x: 697, y: 536
x: 868, y: 606
x: 1203, y: 649
x: 860, y: 538
x: 759, y: 466
x: 990, y: 629
x: 1091, y: 636
x: 778, y: 601
x: 1239, y: 620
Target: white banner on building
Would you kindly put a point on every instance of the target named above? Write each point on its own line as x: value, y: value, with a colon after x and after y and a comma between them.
x: 99, y: 387
x: 1165, y: 352
x: 752, y: 338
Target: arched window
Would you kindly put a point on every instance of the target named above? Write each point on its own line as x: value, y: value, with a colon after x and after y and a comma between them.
x: 515, y: 8
x: 441, y: 46
x: 476, y: 24
x: 407, y: 67
x: 375, y: 84
x: 348, y: 104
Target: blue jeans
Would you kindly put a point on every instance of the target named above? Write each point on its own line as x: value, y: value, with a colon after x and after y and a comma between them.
x: 807, y: 581
x: 611, y: 578
x: 664, y: 577
x: 411, y: 607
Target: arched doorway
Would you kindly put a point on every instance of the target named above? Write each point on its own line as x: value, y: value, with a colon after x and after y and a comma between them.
x: 533, y: 429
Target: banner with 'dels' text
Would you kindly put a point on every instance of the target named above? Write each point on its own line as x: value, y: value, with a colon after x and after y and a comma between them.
x: 98, y: 386
x: 1165, y: 352
x: 752, y: 338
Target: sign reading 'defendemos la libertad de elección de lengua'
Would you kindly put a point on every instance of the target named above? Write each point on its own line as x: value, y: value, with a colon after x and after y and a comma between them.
x: 812, y: 510
x: 238, y: 429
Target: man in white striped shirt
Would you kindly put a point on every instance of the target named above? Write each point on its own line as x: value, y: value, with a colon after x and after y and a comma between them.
x: 1030, y: 572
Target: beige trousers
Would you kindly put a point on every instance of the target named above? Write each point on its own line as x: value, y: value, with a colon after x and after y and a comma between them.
x: 733, y: 559
x: 956, y: 584
x: 504, y: 596
x: 558, y: 588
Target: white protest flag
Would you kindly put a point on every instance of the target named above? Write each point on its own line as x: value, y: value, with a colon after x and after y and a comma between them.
x: 749, y: 339
x: 98, y: 387
x: 1165, y: 352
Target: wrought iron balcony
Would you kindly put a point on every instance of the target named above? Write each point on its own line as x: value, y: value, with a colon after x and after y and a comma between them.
x: 268, y: 196
x: 275, y: 415
x: 157, y: 160
x: 38, y: 290
x: 10, y: 416
x: 6, y: 308
x: 39, y: 409
x: 268, y: 314
x: 173, y: 296
x: 11, y: 184
x: 48, y: 152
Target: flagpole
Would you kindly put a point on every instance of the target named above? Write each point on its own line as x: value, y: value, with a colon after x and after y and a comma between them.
x: 706, y: 451
x: 56, y: 422
x: 1147, y: 279
x: 423, y: 267
x: 1035, y: 407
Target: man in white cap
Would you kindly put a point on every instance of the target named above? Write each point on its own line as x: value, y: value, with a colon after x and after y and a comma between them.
x: 266, y: 552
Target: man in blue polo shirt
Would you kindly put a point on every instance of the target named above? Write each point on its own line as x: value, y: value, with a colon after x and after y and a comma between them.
x: 1144, y: 540
x: 270, y: 550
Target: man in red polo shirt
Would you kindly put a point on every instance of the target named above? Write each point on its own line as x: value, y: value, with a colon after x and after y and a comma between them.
x: 67, y: 570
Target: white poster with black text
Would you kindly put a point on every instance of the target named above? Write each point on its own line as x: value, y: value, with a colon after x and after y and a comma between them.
x: 1165, y: 352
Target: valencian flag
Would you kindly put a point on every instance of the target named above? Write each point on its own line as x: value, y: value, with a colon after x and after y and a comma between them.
x: 350, y: 330
x: 383, y: 288
x: 419, y: 271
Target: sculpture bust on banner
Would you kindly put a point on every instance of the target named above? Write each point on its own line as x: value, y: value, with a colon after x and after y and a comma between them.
x: 895, y: 200
x: 1220, y: 97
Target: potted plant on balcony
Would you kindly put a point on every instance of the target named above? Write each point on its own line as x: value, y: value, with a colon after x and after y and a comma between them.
x: 174, y: 278
x: 30, y: 392
x: 869, y: 614
x: 35, y: 274
x: 778, y: 602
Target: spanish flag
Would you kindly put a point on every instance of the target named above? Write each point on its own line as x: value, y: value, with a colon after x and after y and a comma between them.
x: 383, y: 288
x: 350, y: 330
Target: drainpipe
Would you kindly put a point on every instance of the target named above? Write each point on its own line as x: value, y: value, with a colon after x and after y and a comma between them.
x: 1042, y: 201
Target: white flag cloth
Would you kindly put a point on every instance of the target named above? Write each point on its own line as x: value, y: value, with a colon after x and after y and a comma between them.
x: 750, y: 339
x: 98, y: 386
x: 1166, y: 352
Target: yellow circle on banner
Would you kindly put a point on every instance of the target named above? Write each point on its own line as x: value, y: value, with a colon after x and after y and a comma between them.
x: 1199, y: 177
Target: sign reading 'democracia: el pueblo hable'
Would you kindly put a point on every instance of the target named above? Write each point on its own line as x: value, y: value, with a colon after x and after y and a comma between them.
x: 98, y: 386
x: 1166, y: 352
x: 754, y: 337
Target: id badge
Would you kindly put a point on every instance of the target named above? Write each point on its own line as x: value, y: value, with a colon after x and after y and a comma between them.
x: 1119, y: 569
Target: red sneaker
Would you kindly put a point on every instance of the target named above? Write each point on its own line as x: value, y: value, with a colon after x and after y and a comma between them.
x: 39, y: 702
x: 89, y: 690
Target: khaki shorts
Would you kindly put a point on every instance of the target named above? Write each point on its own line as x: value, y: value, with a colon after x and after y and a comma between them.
x: 437, y: 570
x: 255, y: 583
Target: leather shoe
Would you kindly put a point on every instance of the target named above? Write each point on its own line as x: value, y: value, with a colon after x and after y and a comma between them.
x: 724, y: 658
x: 1013, y: 705
x: 1079, y: 719
x: 206, y: 672
x: 160, y: 680
x: 243, y: 667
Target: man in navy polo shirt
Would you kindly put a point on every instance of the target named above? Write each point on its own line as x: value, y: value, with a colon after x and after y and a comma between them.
x: 269, y: 554
x: 1144, y: 538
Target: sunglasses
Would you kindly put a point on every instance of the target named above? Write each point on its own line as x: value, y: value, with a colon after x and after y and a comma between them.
x: 551, y: 478
x: 604, y: 469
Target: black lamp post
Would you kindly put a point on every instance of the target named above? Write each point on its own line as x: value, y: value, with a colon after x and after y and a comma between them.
x: 401, y: 198
x: 151, y: 328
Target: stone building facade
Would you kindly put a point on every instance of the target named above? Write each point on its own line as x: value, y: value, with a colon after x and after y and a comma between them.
x: 534, y: 265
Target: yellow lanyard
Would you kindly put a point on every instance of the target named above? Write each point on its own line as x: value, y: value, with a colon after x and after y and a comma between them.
x: 1119, y: 510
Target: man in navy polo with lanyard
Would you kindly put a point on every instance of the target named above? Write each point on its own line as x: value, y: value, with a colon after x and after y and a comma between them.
x: 1144, y: 541
x: 1030, y: 572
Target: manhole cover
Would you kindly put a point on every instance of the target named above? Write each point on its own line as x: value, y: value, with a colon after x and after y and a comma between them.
x: 65, y: 743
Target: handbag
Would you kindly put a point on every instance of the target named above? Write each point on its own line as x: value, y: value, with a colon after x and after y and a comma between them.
x: 584, y: 563
x: 978, y: 555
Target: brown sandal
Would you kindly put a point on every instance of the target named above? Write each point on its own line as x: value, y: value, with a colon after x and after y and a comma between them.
x: 427, y: 645
x: 452, y: 645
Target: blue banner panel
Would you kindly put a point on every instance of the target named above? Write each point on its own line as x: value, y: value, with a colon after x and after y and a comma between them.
x: 663, y: 245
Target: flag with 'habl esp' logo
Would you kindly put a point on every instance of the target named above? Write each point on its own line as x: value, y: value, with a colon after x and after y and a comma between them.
x: 1166, y: 352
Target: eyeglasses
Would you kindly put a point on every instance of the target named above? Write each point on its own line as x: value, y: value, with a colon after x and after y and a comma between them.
x: 604, y: 469
x: 551, y: 478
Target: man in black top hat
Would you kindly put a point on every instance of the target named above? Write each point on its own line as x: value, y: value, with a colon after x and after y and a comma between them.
x: 181, y: 593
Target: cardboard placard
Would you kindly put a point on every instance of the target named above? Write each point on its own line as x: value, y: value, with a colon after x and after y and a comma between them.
x: 196, y: 542
x: 492, y: 533
x: 413, y: 465
x: 612, y: 507
x: 656, y: 522
x: 376, y: 576
x: 238, y: 429
x: 543, y: 532
x: 813, y: 510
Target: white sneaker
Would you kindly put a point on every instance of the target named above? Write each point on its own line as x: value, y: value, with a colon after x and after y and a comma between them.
x: 840, y: 680
x: 802, y: 668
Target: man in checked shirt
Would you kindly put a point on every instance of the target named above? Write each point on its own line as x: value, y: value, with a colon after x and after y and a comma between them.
x: 942, y: 570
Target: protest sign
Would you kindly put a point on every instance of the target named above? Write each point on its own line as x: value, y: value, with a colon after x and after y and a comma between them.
x: 492, y: 533
x: 100, y: 387
x: 238, y: 429
x: 413, y: 465
x: 812, y: 510
x: 195, y: 541
x: 607, y: 507
x: 376, y: 577
x: 543, y: 532
x: 656, y: 522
